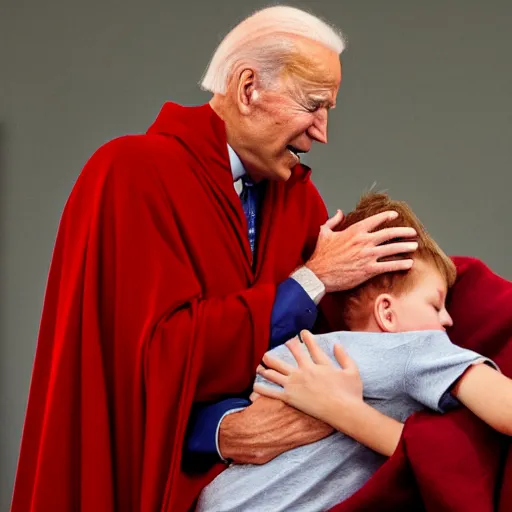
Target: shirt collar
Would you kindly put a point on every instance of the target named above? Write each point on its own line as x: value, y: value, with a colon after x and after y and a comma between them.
x: 237, y: 167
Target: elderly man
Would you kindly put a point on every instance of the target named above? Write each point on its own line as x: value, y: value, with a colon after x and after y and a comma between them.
x: 184, y: 254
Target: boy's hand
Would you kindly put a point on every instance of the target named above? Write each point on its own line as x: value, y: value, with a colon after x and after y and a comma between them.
x: 317, y: 386
x: 331, y: 394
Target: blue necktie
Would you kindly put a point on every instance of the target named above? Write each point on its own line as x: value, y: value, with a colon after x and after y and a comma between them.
x: 249, y: 198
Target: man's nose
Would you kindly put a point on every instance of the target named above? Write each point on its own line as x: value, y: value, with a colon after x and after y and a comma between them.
x: 318, y: 130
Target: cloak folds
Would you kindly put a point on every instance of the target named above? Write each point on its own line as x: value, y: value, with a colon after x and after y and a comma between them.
x: 152, y: 303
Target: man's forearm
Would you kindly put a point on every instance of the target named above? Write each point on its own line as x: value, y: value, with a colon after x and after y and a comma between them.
x: 368, y: 426
x: 266, y: 429
x: 294, y: 309
x: 204, y: 424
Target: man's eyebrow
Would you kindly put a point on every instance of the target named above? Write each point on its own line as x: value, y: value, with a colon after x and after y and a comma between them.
x: 324, y: 98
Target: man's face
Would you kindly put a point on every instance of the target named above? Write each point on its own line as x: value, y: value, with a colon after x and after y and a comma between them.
x: 286, y: 120
x: 423, y: 307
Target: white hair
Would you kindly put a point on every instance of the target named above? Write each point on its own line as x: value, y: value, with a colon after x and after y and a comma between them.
x: 262, y: 40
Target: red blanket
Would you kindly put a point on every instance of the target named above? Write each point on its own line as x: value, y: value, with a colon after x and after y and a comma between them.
x: 454, y: 462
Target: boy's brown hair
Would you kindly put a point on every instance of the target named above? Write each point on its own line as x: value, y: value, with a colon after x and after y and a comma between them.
x: 356, y: 305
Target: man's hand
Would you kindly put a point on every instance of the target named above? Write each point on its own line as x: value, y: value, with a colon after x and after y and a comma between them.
x: 266, y: 429
x: 343, y: 260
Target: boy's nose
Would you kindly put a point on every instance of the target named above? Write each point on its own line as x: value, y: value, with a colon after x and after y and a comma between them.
x: 447, y: 320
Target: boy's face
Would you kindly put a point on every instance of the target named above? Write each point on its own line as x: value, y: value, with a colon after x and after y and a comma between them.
x: 421, y: 308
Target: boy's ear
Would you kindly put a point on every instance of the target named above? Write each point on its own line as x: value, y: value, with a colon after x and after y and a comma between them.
x: 385, y: 314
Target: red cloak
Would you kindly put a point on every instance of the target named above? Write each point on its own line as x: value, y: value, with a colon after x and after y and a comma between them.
x: 454, y: 462
x: 151, y: 304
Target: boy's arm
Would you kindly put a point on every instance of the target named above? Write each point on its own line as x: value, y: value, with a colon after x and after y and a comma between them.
x: 488, y: 394
x: 367, y: 426
x: 331, y: 393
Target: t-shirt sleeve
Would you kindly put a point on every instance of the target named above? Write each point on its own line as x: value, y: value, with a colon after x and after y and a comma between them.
x: 433, y: 367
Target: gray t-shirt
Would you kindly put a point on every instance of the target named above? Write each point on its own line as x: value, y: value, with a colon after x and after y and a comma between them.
x: 401, y: 373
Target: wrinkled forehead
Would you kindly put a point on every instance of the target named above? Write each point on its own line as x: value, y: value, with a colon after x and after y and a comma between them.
x: 313, y: 67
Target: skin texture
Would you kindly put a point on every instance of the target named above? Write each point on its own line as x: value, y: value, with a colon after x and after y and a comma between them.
x: 261, y: 123
x: 345, y: 259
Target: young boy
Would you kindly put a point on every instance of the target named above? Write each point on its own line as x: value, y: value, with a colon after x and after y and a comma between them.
x: 405, y: 362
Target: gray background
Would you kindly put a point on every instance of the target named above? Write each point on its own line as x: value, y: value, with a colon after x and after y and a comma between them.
x: 424, y: 110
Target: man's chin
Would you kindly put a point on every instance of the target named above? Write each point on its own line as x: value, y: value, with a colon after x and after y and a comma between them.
x: 285, y: 175
x: 282, y: 174
x: 278, y: 173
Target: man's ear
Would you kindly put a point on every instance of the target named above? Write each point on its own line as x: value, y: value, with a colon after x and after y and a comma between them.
x: 385, y: 314
x: 247, y: 93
